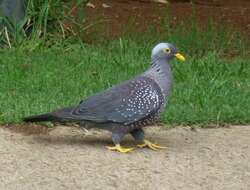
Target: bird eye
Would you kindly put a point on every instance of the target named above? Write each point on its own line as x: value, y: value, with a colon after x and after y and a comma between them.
x: 167, y: 50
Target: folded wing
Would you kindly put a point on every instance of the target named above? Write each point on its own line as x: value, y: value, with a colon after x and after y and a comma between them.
x: 125, y: 103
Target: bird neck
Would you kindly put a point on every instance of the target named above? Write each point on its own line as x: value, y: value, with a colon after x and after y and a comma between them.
x: 160, y: 67
x: 160, y: 72
x: 160, y: 64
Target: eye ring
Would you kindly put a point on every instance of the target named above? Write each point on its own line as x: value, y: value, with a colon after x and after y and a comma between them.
x: 167, y: 50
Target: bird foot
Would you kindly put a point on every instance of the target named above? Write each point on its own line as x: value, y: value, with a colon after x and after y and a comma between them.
x: 150, y: 145
x: 118, y: 148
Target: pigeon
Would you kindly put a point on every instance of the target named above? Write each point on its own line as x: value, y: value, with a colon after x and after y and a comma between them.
x: 127, y: 107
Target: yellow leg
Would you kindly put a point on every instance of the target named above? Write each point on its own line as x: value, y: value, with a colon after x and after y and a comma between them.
x: 118, y: 148
x: 150, y: 145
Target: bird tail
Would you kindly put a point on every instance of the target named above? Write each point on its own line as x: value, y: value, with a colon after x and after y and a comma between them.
x: 39, y: 118
x: 57, y: 116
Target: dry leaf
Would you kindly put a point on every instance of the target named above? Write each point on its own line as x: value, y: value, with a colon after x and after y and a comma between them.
x: 161, y: 1
x: 91, y: 5
x: 104, y: 5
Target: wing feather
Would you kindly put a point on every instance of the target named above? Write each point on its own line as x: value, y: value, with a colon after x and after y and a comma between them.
x: 125, y: 103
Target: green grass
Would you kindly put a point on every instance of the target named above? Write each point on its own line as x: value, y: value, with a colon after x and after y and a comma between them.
x: 208, y: 89
x: 213, y: 86
x: 44, y: 20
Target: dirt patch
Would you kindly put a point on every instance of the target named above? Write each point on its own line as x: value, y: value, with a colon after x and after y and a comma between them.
x: 68, y: 158
x: 123, y: 15
x: 27, y: 129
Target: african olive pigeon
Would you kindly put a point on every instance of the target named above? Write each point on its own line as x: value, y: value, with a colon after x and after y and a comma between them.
x: 126, y: 107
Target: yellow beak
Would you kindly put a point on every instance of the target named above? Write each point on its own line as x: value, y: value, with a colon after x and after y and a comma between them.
x: 180, y: 57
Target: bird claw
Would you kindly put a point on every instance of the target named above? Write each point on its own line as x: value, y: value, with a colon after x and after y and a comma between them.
x: 151, y: 145
x: 118, y: 148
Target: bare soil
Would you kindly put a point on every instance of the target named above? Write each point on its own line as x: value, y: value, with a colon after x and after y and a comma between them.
x: 70, y: 158
x: 123, y: 15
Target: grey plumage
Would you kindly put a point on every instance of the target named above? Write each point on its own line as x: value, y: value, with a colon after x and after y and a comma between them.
x: 127, y: 107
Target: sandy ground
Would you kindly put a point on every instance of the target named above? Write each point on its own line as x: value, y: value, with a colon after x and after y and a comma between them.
x: 69, y: 158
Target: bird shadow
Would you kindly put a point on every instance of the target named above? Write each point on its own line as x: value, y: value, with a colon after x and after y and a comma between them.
x: 89, y: 140
x: 74, y: 136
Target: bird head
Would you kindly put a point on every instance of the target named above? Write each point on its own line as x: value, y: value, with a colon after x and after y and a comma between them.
x: 166, y: 51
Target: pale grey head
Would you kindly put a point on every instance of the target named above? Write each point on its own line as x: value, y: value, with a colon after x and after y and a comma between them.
x: 166, y: 52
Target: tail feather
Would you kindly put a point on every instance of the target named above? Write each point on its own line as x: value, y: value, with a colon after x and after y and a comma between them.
x: 57, y: 116
x: 42, y: 117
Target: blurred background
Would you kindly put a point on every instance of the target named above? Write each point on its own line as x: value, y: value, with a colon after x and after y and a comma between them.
x: 114, y: 17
